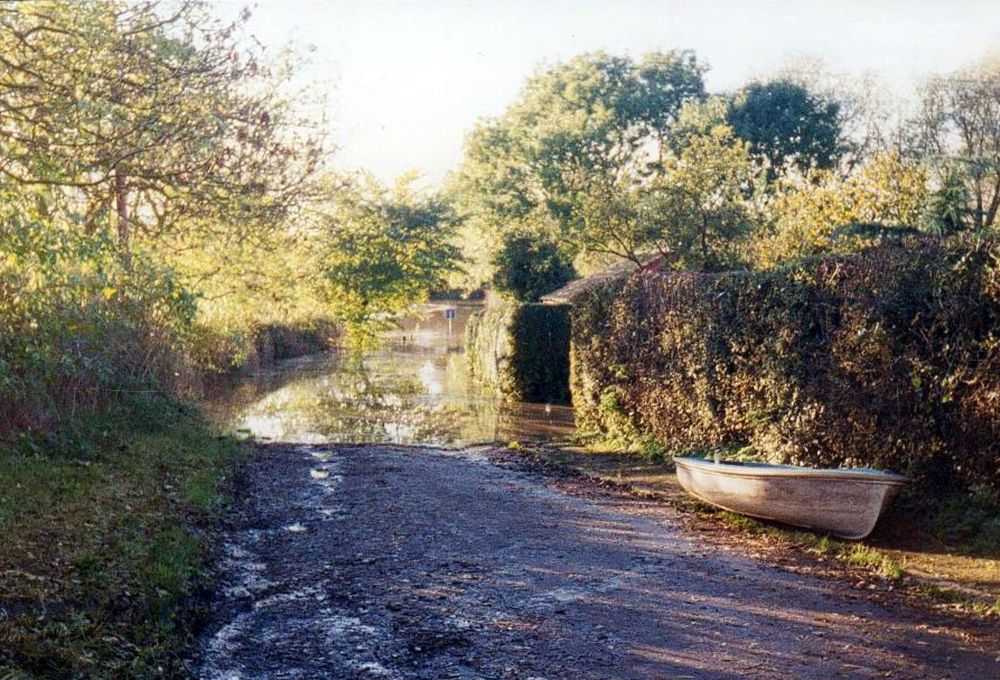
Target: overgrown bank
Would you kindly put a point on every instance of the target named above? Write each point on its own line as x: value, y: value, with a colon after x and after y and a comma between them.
x: 106, y: 524
x: 889, y: 358
x: 109, y: 482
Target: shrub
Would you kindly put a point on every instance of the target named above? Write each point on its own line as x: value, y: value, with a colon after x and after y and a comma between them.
x: 81, y: 325
x: 522, y: 350
x: 889, y: 358
x: 528, y: 267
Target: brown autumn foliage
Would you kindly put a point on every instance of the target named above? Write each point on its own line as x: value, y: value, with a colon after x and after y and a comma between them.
x: 888, y: 358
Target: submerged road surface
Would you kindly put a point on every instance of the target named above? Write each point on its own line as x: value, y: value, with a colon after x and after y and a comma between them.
x: 394, y: 562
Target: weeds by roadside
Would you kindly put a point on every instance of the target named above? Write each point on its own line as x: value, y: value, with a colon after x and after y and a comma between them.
x: 105, y: 540
x: 855, y: 554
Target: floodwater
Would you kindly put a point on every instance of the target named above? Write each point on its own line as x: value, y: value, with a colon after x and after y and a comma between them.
x: 414, y: 389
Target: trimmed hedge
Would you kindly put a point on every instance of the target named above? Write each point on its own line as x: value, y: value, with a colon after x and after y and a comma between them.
x: 522, y: 350
x: 889, y: 359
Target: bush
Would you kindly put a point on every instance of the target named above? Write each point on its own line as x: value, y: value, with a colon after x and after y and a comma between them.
x: 84, y: 326
x: 522, y: 350
x: 889, y: 358
x: 528, y: 267
x: 81, y: 325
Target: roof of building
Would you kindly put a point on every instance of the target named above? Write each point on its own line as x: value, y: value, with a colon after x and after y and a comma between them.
x: 618, y: 270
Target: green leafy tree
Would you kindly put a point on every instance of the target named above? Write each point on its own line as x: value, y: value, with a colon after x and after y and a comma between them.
x: 155, y: 125
x: 701, y: 203
x: 825, y: 212
x: 569, y: 158
x: 527, y: 267
x: 786, y: 124
x: 146, y: 118
x: 383, y: 250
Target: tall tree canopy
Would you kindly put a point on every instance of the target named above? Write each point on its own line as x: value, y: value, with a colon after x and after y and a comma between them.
x: 786, y: 124
x: 528, y: 267
x: 143, y: 116
x: 701, y: 202
x: 382, y: 250
x: 583, y: 136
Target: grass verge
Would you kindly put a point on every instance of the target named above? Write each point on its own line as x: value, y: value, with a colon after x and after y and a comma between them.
x: 105, y: 529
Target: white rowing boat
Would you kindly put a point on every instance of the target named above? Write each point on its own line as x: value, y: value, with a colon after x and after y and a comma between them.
x: 844, y: 502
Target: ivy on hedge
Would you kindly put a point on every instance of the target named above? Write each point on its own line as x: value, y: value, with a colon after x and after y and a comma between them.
x: 521, y: 349
x: 889, y: 358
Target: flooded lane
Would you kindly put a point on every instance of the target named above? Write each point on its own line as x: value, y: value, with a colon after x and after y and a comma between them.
x: 416, y: 562
x: 414, y: 389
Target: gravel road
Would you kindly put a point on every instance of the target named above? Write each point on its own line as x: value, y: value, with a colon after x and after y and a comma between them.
x: 395, y: 562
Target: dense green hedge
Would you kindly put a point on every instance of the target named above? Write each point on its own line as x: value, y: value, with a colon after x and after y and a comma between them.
x: 522, y: 350
x: 889, y: 358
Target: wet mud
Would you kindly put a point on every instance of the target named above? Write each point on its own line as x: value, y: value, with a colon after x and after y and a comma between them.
x: 382, y: 561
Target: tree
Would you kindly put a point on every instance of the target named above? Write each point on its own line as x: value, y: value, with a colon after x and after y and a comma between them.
x: 947, y: 205
x: 889, y: 189
x: 528, y: 267
x: 824, y: 212
x: 959, y: 131
x: 699, y: 205
x: 786, y: 124
x: 584, y: 135
x: 383, y: 250
x: 145, y: 117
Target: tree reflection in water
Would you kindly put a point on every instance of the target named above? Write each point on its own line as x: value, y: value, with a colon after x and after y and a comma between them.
x: 415, y: 389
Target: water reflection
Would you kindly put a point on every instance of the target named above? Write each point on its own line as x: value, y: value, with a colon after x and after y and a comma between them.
x: 415, y: 389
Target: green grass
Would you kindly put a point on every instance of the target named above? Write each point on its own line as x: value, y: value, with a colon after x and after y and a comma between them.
x: 854, y: 554
x: 865, y: 556
x: 103, y: 551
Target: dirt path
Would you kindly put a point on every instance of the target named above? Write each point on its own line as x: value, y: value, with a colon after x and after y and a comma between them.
x: 388, y: 562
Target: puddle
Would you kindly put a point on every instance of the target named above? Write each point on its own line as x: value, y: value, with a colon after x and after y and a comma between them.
x: 246, y: 577
x: 414, y: 389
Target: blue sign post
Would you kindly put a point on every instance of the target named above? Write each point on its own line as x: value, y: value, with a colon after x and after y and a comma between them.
x: 451, y: 314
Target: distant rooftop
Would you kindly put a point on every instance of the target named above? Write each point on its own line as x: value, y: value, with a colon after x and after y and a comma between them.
x: 619, y: 270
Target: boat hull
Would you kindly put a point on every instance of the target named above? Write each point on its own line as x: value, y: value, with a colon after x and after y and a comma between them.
x: 845, y: 503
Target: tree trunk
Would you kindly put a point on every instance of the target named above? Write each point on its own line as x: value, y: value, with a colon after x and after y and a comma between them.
x: 121, y: 207
x: 991, y: 213
x: 980, y: 222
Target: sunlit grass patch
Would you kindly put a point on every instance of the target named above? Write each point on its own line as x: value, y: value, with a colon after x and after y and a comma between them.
x: 866, y: 556
x: 854, y: 554
x: 741, y: 522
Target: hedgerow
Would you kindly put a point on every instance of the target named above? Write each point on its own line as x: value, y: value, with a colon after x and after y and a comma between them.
x: 522, y: 350
x: 889, y: 358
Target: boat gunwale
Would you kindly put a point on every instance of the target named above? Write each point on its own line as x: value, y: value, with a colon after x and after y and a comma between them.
x: 772, y: 471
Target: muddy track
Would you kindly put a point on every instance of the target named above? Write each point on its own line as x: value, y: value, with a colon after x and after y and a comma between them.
x: 392, y: 562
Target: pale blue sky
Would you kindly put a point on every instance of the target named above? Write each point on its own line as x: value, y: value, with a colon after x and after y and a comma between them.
x: 408, y: 79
